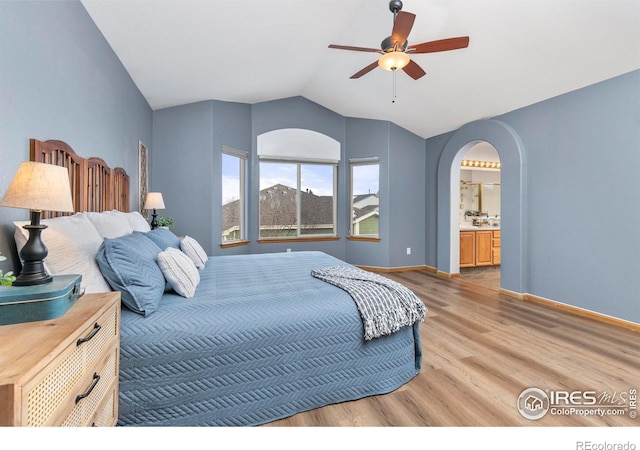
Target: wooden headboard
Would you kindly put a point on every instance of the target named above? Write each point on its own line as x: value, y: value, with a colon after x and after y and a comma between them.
x: 95, y: 187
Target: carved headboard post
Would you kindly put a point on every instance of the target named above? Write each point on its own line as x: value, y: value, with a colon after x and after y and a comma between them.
x: 94, y: 186
x: 120, y: 181
x: 99, y: 190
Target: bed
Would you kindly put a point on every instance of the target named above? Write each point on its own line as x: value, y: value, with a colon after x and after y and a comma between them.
x: 242, y: 340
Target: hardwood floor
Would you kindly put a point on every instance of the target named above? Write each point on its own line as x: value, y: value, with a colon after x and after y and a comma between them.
x: 487, y: 276
x: 481, y: 349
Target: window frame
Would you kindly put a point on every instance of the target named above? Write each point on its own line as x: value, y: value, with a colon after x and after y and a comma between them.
x: 242, y: 160
x: 358, y: 162
x: 301, y: 236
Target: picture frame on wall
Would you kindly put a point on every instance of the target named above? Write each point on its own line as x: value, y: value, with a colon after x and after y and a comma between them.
x: 143, y: 186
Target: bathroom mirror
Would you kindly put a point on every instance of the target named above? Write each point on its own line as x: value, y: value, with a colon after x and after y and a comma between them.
x: 480, y: 198
x: 490, y: 199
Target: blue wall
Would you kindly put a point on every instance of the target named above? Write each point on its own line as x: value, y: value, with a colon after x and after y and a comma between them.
x: 583, y: 155
x: 370, y: 138
x: 186, y: 164
x: 402, y: 193
x: 407, y: 197
x: 578, y: 242
x: 182, y: 168
x: 59, y: 79
x: 434, y: 148
x: 186, y: 168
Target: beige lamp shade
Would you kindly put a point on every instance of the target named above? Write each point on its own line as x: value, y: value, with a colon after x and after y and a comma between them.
x: 154, y: 201
x: 39, y: 187
x: 393, y: 60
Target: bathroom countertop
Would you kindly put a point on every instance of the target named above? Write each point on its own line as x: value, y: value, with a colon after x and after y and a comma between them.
x: 478, y: 228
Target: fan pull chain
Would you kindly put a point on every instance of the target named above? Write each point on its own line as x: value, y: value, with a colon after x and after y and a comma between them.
x: 394, y: 86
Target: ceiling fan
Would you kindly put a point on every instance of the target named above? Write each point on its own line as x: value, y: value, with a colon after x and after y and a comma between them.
x: 395, y: 49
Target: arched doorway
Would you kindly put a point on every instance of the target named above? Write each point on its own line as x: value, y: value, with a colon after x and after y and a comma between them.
x: 479, y: 215
x: 513, y: 209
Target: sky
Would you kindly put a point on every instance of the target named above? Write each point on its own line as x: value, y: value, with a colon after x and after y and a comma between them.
x: 318, y: 178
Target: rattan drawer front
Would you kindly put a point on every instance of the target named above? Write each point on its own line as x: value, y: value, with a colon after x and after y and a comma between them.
x: 59, y: 387
x: 86, y: 407
x: 107, y: 416
x: 94, y: 348
x: 52, y: 392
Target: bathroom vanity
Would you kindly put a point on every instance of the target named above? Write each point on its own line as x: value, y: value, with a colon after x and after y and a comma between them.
x: 479, y: 246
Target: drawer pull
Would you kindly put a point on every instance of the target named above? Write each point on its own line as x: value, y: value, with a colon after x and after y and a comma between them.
x: 96, y: 329
x: 96, y: 378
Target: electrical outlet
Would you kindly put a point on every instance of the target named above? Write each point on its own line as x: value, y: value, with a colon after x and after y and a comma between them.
x: 408, y: 250
x: 288, y: 250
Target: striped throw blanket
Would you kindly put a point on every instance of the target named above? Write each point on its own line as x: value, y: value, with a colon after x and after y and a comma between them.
x: 385, y: 306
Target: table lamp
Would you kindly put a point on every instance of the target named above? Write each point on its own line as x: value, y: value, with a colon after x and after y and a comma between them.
x: 154, y: 201
x: 37, y: 187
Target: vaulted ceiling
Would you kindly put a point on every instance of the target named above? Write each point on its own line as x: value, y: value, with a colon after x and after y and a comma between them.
x: 520, y: 52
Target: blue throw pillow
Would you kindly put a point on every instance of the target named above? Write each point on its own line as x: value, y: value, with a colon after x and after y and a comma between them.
x: 162, y: 237
x: 129, y: 265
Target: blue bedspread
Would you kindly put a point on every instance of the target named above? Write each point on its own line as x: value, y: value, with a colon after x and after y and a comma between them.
x: 261, y: 340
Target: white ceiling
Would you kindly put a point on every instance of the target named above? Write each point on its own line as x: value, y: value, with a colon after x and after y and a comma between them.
x: 520, y: 52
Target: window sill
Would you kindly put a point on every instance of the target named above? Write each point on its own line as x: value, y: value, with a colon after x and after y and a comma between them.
x: 363, y: 239
x: 297, y: 239
x: 234, y: 244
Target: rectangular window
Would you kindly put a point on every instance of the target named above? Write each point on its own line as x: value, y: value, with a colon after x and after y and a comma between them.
x: 365, y: 200
x: 297, y: 199
x: 233, y: 198
x: 317, y: 199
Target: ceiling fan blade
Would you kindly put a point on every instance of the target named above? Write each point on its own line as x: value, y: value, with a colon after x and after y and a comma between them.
x: 414, y: 70
x: 441, y: 45
x: 356, y: 49
x: 402, y: 27
x: 365, y: 71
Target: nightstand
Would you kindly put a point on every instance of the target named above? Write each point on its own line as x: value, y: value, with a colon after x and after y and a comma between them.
x: 64, y: 371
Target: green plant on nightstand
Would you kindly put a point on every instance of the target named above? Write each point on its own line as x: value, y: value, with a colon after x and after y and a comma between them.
x: 166, y: 222
x: 6, y: 279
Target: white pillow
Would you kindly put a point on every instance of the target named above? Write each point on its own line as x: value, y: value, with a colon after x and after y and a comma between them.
x: 110, y: 224
x: 72, y: 242
x: 137, y: 222
x: 179, y: 271
x: 194, y: 251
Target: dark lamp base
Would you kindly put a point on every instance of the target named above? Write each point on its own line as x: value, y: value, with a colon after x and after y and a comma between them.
x: 154, y: 220
x: 32, y: 255
x: 32, y: 280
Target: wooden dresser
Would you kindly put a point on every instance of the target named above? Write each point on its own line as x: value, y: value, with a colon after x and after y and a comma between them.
x: 64, y: 371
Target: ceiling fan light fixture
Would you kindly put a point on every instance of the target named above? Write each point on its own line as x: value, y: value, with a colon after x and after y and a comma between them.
x: 393, y: 60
